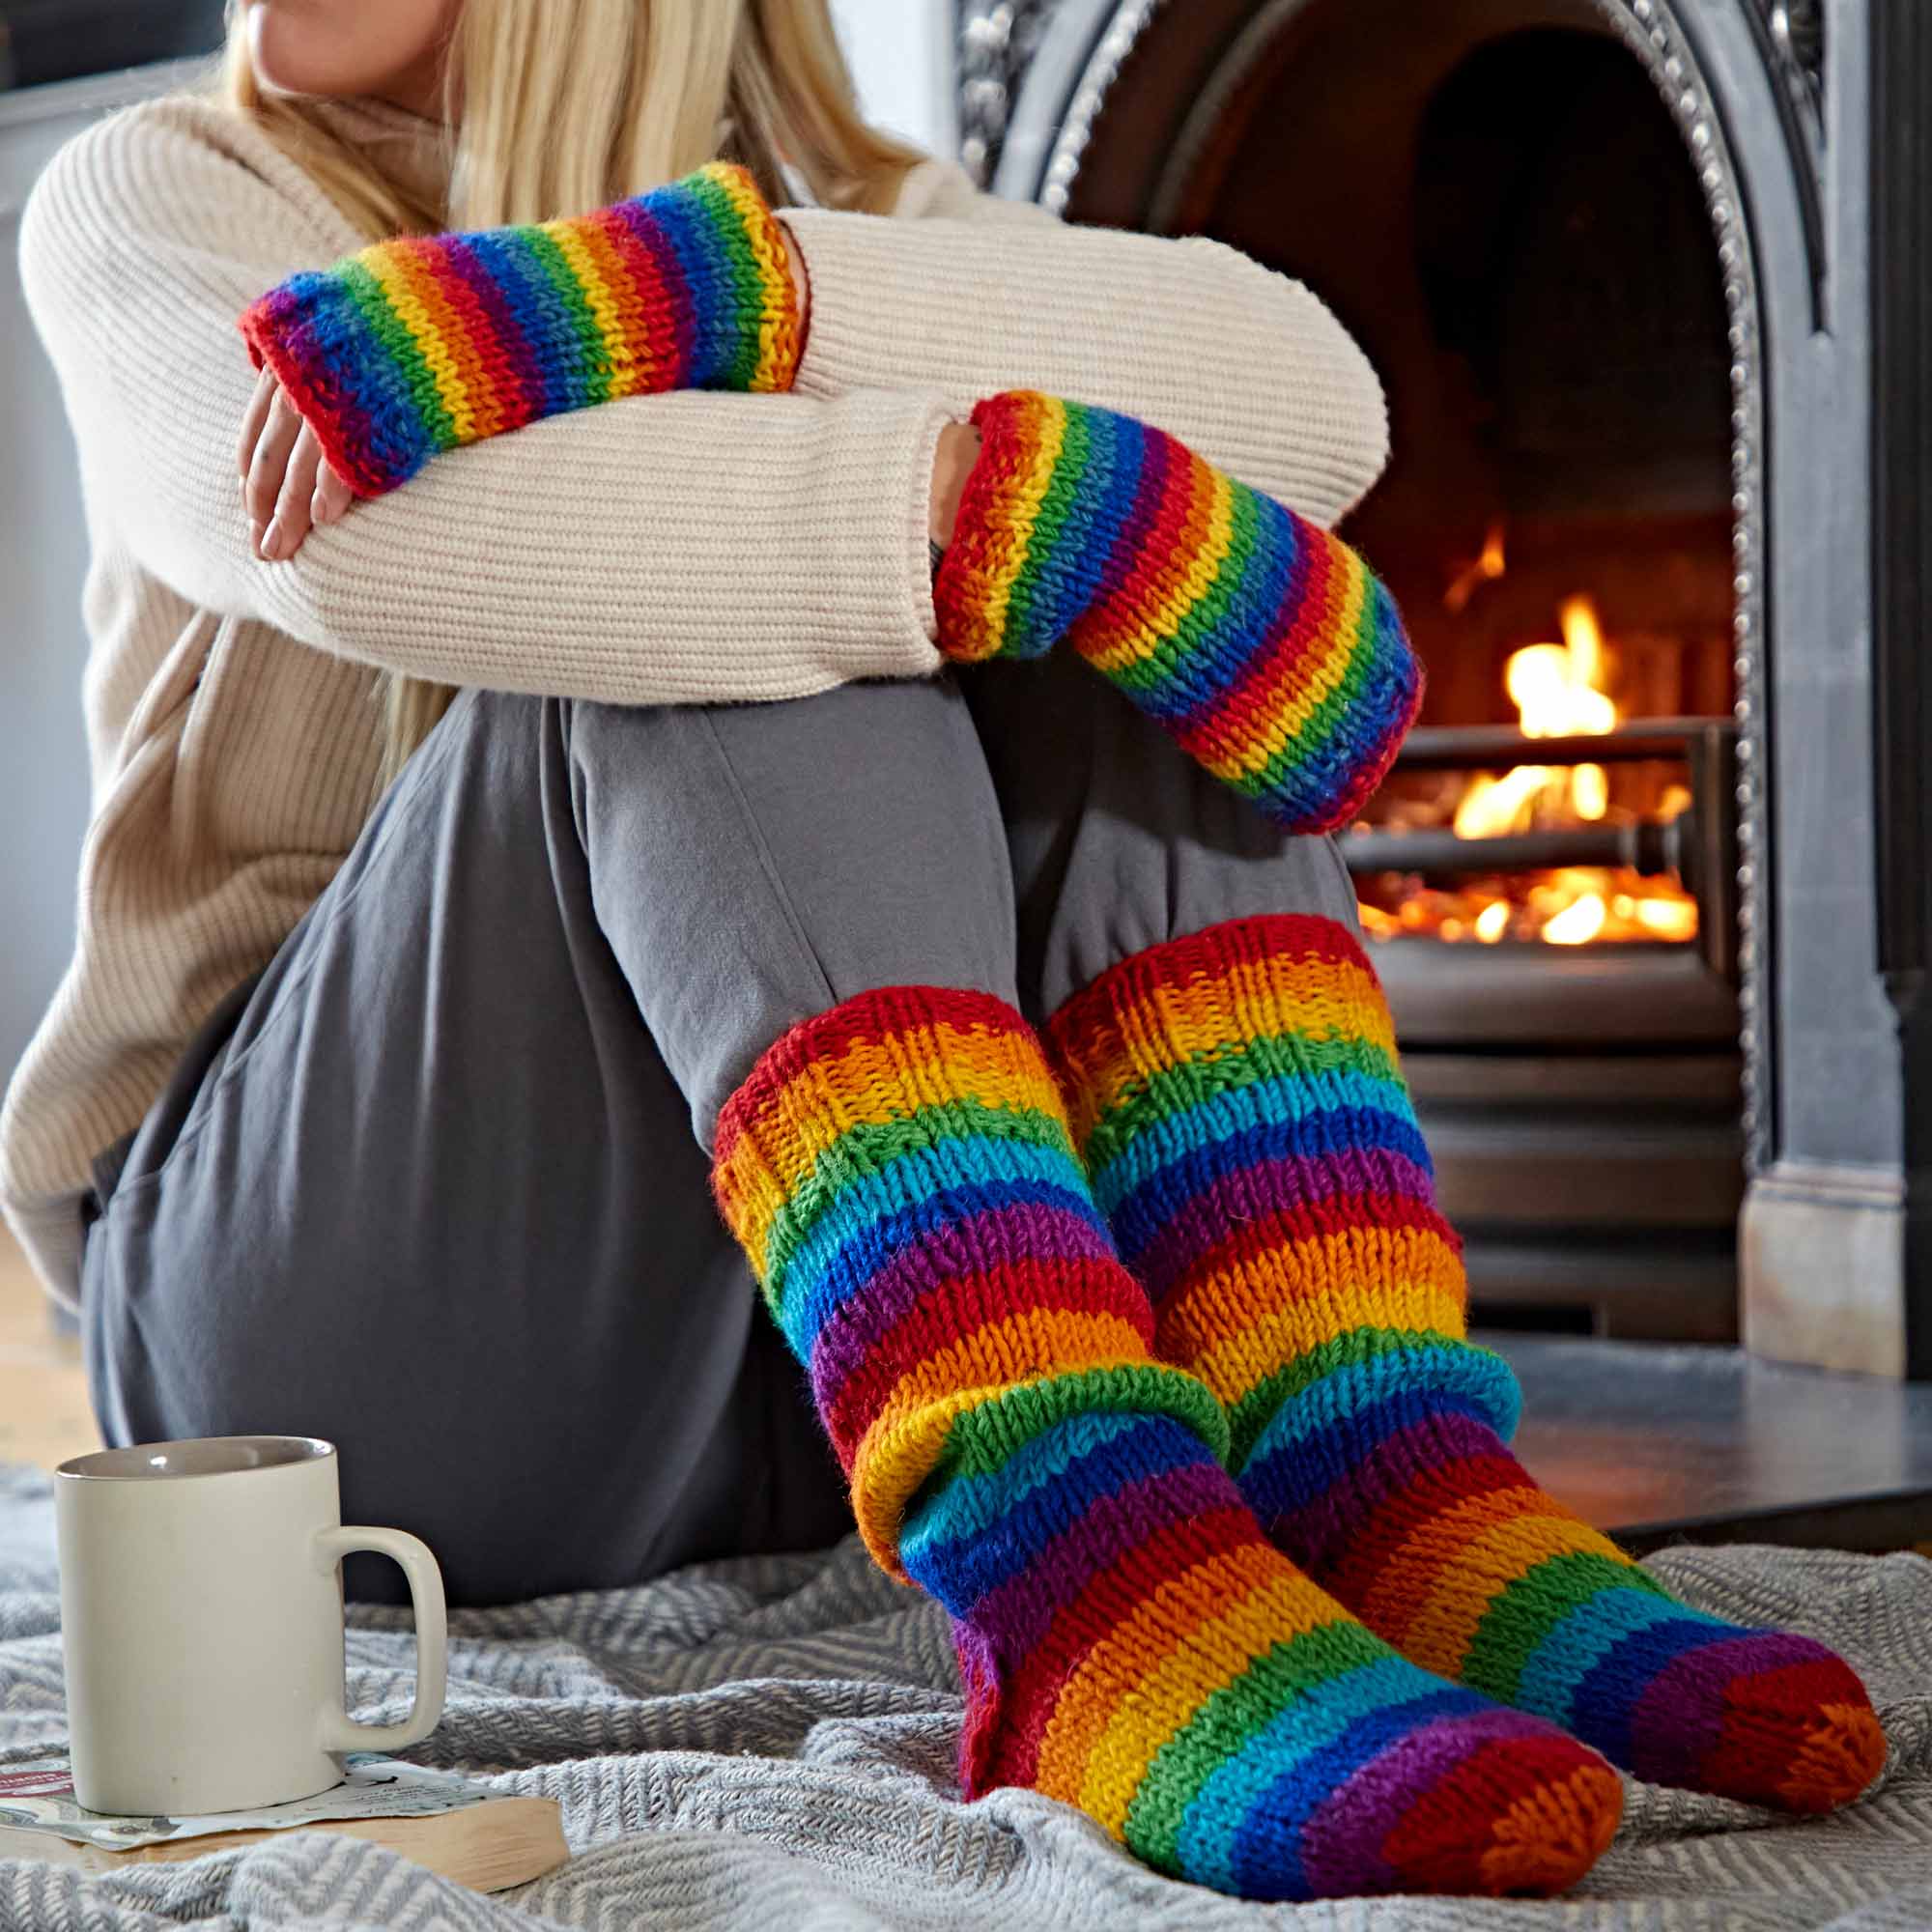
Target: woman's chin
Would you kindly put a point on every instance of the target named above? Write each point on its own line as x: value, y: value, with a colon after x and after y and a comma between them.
x: 296, y: 47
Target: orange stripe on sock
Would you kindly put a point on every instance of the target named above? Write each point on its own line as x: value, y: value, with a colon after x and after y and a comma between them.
x: 1467, y: 1588
x: 1217, y: 1017
x: 1235, y: 1607
x: 1236, y: 1325
x: 904, y: 1445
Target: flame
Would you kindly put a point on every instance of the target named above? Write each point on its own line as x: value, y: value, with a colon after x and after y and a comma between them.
x: 1484, y: 569
x: 1559, y: 690
x: 1579, y: 923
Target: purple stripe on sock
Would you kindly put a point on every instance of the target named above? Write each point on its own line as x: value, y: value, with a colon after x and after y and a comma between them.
x: 1679, y: 1719
x: 873, y: 1307
x: 1021, y: 1612
x: 1316, y: 1535
x: 1267, y: 1187
x: 1342, y: 1843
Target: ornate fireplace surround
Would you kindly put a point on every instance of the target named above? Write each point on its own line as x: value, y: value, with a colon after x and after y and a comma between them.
x: 1805, y: 121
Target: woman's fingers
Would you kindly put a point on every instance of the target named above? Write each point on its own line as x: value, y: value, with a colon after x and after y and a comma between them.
x: 285, y: 483
x: 332, y: 496
x: 256, y: 415
x: 270, y: 464
x: 285, y: 535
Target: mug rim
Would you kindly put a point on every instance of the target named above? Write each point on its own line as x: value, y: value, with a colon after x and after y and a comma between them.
x: 300, y: 1452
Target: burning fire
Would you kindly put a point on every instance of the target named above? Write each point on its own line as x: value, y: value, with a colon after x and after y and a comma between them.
x: 1559, y: 690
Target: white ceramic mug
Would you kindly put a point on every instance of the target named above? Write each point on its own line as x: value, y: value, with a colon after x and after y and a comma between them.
x: 201, y: 1619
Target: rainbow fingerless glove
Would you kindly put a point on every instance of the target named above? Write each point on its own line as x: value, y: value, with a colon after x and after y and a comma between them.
x: 420, y: 345
x: 1264, y: 646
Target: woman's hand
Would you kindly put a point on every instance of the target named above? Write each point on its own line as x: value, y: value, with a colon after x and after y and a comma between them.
x: 286, y: 484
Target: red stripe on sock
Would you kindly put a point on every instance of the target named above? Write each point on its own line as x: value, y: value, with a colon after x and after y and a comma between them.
x: 1105, y: 1599
x: 957, y: 1307
x: 868, y: 1018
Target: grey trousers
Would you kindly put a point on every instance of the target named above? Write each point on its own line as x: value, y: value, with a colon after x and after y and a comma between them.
x: 433, y: 1185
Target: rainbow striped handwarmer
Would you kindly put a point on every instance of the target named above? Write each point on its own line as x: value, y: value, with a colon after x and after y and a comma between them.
x: 901, y: 1174
x: 419, y: 345
x: 1251, y: 1140
x: 1264, y: 646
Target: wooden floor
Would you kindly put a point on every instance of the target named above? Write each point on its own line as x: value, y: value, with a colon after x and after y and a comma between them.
x: 43, y: 1412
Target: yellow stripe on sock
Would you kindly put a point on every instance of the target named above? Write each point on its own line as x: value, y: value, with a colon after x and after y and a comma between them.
x: 873, y: 1082
x: 1239, y: 1325
x: 1220, y: 1018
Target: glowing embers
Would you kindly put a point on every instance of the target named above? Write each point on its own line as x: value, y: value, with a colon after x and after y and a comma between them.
x: 1534, y: 882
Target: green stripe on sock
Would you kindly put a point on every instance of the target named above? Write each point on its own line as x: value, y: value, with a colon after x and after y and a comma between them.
x: 1226, y: 1067
x: 985, y: 1439
x: 1528, y: 1609
x: 1248, y: 1417
x: 1226, y: 1719
x: 873, y: 1146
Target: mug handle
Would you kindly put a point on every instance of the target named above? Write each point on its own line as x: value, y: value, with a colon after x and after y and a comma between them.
x: 337, y: 1731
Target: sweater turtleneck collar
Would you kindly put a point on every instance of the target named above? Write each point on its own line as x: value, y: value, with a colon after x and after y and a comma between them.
x: 410, y: 151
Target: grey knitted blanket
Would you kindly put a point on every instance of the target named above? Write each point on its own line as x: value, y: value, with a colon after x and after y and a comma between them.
x: 768, y: 1744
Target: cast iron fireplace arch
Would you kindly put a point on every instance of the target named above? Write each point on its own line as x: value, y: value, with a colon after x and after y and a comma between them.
x: 1037, y: 79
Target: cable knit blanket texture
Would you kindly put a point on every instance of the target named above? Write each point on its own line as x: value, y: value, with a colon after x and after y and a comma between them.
x: 769, y: 1743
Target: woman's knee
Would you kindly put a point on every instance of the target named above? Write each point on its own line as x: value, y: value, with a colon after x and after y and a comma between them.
x: 1119, y: 840
x: 753, y: 864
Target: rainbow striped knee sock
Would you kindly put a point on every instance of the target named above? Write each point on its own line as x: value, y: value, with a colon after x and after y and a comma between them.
x: 1265, y: 647
x: 1251, y: 1140
x: 901, y: 1176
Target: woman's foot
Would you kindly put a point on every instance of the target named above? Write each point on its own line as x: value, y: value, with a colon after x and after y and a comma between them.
x: 901, y: 1174
x: 1237, y: 1096
x: 1132, y: 1645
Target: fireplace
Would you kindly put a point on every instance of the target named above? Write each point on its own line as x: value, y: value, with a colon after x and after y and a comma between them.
x: 1651, y: 864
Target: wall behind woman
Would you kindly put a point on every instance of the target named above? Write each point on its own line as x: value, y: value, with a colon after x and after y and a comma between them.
x: 901, y: 57
x: 42, y: 554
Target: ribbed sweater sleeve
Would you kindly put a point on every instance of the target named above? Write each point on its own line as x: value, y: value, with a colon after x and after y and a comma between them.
x: 659, y: 550
x: 979, y: 296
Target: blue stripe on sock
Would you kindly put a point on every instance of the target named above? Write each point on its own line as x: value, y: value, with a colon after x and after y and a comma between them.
x: 1321, y: 1433
x: 1287, y: 1804
x: 1139, y: 1217
x: 958, y: 1548
x: 921, y: 1192
x: 1604, y: 1701
x: 1316, y: 1717
x: 1229, y: 1112
x: 1574, y: 1647
x: 1283, y: 1479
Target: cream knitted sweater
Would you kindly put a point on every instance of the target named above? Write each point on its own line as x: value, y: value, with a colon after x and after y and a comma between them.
x: 658, y: 551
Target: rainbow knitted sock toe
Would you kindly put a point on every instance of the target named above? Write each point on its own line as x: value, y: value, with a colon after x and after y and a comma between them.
x: 1265, y: 647
x: 1251, y: 1140
x: 901, y: 1176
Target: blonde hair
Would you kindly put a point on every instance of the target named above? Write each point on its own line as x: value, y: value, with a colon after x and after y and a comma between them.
x: 567, y: 105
